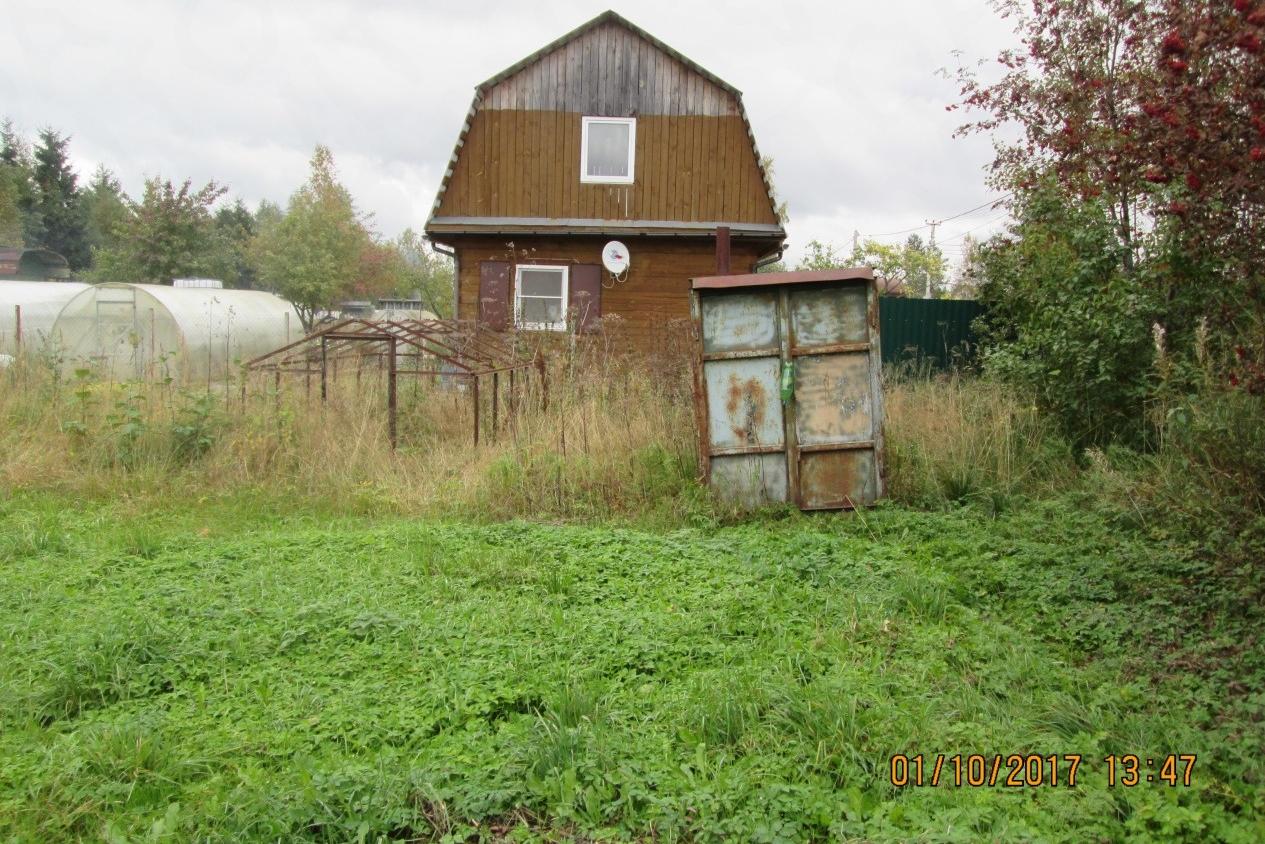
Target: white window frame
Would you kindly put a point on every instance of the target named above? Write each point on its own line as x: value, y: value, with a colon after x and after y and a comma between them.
x: 518, y: 298
x: 631, y: 123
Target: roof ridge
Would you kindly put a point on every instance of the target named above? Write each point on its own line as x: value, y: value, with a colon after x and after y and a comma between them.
x: 609, y: 16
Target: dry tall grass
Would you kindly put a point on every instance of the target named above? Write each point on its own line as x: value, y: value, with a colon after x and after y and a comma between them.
x: 617, y: 439
x: 953, y: 438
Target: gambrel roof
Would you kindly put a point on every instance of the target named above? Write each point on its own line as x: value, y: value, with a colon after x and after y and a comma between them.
x: 608, y: 17
x: 606, y: 67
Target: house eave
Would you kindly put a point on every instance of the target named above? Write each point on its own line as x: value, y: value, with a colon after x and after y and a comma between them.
x: 439, y: 226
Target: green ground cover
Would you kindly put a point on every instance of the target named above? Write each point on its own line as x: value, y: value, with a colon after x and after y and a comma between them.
x: 220, y: 672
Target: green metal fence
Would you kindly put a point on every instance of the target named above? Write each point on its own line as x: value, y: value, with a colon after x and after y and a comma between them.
x: 927, y: 332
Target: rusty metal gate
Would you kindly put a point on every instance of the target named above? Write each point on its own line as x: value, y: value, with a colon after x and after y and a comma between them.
x: 786, y: 387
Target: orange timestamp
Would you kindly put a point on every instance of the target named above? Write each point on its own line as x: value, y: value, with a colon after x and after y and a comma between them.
x: 1130, y: 770
x: 1034, y: 770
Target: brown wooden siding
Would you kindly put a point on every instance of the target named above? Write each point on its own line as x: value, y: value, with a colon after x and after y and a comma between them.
x: 655, y: 292
x: 527, y: 164
x: 612, y: 72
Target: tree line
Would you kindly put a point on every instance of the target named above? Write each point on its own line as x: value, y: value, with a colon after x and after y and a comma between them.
x: 914, y: 268
x: 316, y: 251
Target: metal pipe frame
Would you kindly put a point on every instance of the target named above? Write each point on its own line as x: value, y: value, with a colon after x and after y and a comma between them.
x: 468, y: 350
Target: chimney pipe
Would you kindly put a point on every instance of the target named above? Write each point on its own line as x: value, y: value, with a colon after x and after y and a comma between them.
x: 722, y: 250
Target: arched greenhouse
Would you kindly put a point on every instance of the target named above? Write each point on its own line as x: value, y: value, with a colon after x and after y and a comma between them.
x: 141, y: 331
x: 36, y: 305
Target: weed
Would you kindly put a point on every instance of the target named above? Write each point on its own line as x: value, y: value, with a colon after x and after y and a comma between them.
x: 193, y: 433
x: 140, y: 539
x: 37, y: 534
x: 336, y: 678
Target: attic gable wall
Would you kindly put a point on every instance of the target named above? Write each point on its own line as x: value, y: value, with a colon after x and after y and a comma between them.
x: 610, y: 71
x: 519, y: 153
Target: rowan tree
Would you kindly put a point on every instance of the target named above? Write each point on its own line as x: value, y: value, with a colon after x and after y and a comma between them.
x: 1154, y: 111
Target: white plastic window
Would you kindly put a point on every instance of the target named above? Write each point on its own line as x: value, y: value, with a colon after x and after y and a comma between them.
x: 607, y: 148
x: 540, y: 298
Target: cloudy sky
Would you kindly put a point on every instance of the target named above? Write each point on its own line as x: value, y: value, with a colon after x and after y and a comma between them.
x: 844, y: 94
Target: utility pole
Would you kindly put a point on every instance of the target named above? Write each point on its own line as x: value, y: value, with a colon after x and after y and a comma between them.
x: 856, y: 241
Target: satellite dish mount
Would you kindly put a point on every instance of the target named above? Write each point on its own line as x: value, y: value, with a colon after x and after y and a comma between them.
x: 616, y: 261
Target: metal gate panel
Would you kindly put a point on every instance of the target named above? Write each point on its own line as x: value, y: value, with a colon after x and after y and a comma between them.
x: 827, y: 316
x: 829, y: 480
x: 786, y: 382
x: 833, y: 402
x: 740, y: 322
x: 745, y: 411
x: 751, y: 480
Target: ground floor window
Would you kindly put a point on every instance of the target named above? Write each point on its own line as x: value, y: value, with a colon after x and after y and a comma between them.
x: 540, y: 298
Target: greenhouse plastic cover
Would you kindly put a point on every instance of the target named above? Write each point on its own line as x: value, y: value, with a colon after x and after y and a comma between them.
x: 134, y: 331
x: 41, y: 302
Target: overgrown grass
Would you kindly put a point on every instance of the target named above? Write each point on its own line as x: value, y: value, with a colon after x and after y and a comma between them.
x: 616, y: 440
x: 214, y: 623
x: 602, y: 437
x: 236, y: 677
x: 955, y: 439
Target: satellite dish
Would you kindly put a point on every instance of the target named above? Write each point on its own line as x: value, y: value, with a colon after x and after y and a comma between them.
x: 615, y: 257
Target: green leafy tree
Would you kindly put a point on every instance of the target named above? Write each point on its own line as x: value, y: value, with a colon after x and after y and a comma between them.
x: 267, y: 214
x: 234, y: 230
x: 1066, y: 320
x: 313, y: 255
x: 821, y: 256
x: 106, y: 210
x: 10, y: 212
x: 925, y: 267
x: 889, y: 265
x: 169, y: 234
x: 62, y: 224
x: 424, y: 272
x: 910, y: 266
x: 966, y: 277
x: 1154, y: 110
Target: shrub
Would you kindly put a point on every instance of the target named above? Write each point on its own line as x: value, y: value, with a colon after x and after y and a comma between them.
x: 1066, y: 324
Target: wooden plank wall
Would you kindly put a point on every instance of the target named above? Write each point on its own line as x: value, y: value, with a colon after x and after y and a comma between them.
x: 527, y: 164
x: 655, y: 292
x: 694, y: 157
x: 611, y: 71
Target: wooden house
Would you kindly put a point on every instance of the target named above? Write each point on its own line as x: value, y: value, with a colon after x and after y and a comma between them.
x: 605, y: 135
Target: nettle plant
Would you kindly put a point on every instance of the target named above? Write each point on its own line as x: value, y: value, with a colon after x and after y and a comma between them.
x: 128, y: 425
x: 77, y: 428
x: 194, y: 431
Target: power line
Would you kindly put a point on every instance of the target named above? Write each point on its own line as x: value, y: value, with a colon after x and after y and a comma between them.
x: 977, y: 228
x: 933, y: 223
x: 902, y: 231
x: 991, y: 202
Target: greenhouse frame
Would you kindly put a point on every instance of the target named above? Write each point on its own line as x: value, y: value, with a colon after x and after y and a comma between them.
x: 28, y: 310
x: 146, y: 331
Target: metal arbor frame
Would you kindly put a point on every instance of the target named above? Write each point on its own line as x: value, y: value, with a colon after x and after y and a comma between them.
x: 436, y: 347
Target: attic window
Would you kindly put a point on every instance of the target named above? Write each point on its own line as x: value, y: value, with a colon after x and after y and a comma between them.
x: 607, y: 147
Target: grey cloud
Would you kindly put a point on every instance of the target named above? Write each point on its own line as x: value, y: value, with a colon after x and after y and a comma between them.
x: 843, y: 95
